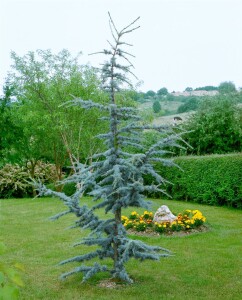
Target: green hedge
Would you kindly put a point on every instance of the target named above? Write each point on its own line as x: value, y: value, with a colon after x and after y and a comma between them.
x: 213, y: 179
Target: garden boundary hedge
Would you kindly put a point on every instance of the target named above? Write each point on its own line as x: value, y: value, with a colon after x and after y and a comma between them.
x: 211, y: 179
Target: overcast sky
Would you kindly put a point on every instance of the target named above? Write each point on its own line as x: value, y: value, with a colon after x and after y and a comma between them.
x: 180, y: 43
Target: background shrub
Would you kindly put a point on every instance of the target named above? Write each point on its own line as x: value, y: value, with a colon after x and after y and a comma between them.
x: 213, y: 180
x: 69, y: 188
x: 156, y: 106
x: 215, y: 128
x: 15, y: 180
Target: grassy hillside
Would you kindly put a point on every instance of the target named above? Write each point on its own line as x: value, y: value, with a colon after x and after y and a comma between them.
x: 168, y: 120
x: 169, y: 106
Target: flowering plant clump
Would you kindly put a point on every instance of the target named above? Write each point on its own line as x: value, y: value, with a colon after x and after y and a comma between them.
x: 185, y: 221
x: 138, y: 222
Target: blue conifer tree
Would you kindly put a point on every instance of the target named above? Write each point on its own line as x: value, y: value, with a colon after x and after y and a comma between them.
x: 115, y: 176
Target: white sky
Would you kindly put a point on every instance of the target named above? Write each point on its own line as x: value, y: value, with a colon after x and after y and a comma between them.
x: 180, y: 43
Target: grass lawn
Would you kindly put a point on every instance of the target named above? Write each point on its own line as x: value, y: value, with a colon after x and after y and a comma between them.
x: 204, y: 266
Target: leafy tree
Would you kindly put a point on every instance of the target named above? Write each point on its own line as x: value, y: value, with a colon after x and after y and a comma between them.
x: 11, y: 132
x: 43, y: 83
x: 156, y: 106
x: 190, y: 104
x: 188, y: 89
x: 130, y: 95
x: 127, y: 97
x: 162, y: 92
x: 141, y: 98
x: 226, y: 87
x: 150, y: 94
x: 215, y: 127
x: 5, y: 123
x: 115, y: 177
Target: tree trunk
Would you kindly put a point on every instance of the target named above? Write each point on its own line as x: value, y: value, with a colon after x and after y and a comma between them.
x: 116, y: 259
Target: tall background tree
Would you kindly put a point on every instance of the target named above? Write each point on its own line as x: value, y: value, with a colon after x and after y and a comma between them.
x: 162, y: 92
x: 150, y: 94
x: 42, y: 83
x: 227, y: 87
x: 188, y: 89
x: 11, y: 132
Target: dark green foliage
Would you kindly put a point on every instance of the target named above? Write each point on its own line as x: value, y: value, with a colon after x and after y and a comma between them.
x: 226, y: 87
x: 10, y: 131
x: 215, y: 128
x: 213, y: 180
x: 69, y: 188
x: 239, y: 96
x: 156, y: 106
x: 188, y: 89
x: 191, y: 104
x: 162, y: 92
x: 150, y: 93
x: 206, y: 88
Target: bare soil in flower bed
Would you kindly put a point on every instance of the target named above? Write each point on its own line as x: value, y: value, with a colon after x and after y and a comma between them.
x: 151, y: 232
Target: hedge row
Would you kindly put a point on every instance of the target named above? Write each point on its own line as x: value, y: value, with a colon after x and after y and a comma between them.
x: 213, y: 179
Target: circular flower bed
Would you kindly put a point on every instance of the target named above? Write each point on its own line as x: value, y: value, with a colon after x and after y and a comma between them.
x: 185, y: 221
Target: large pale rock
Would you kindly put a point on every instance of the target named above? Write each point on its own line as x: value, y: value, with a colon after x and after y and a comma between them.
x: 163, y: 214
